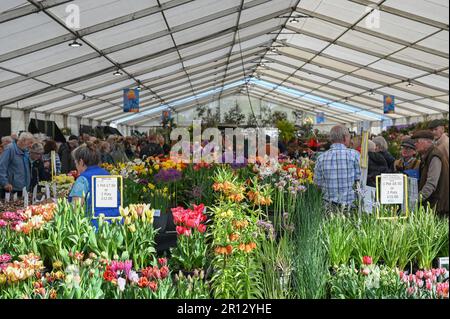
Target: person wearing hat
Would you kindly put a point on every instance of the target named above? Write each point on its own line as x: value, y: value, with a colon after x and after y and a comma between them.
x: 434, y: 173
x: 38, y: 172
x: 408, y: 163
x: 437, y: 127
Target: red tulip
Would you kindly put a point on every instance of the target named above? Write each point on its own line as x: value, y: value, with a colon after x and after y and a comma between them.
x: 153, y: 285
x: 162, y: 261
x: 181, y: 230
x: 367, y: 260
x: 164, y: 272
x: 201, y: 228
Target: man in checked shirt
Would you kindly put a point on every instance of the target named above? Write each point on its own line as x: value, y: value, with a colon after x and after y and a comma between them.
x: 338, y: 170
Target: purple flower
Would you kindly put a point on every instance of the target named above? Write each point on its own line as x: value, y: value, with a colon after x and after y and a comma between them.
x: 143, y: 182
x: 169, y: 175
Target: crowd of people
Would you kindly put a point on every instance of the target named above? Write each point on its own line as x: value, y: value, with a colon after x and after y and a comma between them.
x: 25, y: 161
x: 424, y: 156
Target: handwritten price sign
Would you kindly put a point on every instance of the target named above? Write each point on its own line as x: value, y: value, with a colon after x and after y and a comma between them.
x: 392, y: 189
x: 106, y: 190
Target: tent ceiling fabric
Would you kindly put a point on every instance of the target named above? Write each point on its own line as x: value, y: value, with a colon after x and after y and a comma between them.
x: 189, y: 52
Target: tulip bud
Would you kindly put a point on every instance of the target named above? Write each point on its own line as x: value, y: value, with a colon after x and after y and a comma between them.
x: 202, y: 275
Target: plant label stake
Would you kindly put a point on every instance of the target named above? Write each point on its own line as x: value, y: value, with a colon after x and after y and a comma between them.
x: 25, y: 197
x: 55, y: 196
x: 15, y: 197
x: 7, y: 197
x: 47, y: 190
x: 157, y: 213
x: 33, y: 200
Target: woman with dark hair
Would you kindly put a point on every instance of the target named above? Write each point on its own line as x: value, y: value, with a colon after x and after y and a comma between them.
x: 50, y: 146
x: 87, y: 159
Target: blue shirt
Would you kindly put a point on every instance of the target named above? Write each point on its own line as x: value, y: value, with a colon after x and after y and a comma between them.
x: 15, y: 168
x: 83, y: 188
x: 336, y: 172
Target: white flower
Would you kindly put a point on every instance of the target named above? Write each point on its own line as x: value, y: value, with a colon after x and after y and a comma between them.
x: 133, y: 276
x: 121, y: 282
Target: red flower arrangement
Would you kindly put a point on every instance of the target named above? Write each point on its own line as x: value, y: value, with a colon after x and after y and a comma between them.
x: 188, y: 220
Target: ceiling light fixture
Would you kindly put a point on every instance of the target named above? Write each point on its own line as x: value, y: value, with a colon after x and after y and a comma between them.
x: 117, y: 73
x: 409, y: 85
x: 371, y: 93
x: 294, y: 20
x: 75, y: 44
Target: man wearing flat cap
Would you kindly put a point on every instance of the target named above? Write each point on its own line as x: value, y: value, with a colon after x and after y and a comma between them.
x: 408, y: 163
x: 434, y: 173
x: 437, y: 127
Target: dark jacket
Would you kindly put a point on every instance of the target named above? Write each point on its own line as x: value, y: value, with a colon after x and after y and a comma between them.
x: 38, y: 173
x: 151, y: 150
x: 377, y: 166
x: 439, y: 199
x: 390, y: 160
x: 65, y: 156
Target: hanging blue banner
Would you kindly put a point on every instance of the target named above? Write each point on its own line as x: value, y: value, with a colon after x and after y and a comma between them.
x: 131, y: 100
x: 320, y: 118
x: 389, y: 104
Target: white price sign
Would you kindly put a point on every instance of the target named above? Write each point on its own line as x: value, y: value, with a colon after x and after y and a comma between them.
x: 106, y: 190
x: 392, y: 189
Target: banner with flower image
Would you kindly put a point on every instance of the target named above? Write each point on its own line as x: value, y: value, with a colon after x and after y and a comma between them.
x: 131, y: 101
x: 389, y: 104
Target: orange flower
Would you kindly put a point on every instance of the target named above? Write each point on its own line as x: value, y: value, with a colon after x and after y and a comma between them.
x: 241, y: 247
x: 143, y: 282
x: 229, y: 249
x: 234, y: 237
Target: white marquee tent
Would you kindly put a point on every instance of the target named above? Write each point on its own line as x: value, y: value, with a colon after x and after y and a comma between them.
x: 339, y: 57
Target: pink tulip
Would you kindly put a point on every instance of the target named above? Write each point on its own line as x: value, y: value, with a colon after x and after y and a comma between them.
x: 366, y: 271
x: 429, y: 284
x: 420, y: 274
x: 420, y: 283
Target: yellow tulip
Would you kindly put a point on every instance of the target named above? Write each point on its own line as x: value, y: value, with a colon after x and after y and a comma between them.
x: 124, y: 212
x: 132, y: 228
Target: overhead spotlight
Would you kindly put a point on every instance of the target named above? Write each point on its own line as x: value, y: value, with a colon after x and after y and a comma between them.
x: 262, y: 64
x: 294, y: 20
x: 117, y: 73
x: 139, y: 88
x: 75, y: 44
x: 273, y: 49
x: 371, y: 93
x: 409, y: 84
